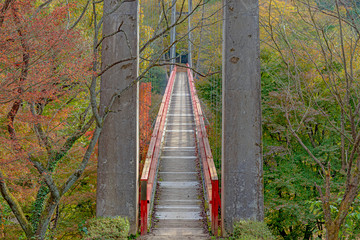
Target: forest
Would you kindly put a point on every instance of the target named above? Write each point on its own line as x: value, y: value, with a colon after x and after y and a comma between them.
x: 50, y: 73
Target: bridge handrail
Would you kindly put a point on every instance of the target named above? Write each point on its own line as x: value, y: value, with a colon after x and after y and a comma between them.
x: 148, y: 176
x: 210, y: 175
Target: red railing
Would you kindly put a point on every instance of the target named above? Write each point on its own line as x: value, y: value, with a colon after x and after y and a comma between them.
x: 148, y: 176
x: 209, y: 171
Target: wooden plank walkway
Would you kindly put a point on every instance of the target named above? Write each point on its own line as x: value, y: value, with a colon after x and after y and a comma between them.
x: 178, y: 202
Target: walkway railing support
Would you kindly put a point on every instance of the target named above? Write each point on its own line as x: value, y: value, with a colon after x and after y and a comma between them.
x: 148, y: 176
x: 209, y: 170
x: 215, y: 206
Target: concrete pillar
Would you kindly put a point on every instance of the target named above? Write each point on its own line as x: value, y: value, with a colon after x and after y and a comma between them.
x: 173, y: 35
x: 242, y: 177
x: 117, y: 187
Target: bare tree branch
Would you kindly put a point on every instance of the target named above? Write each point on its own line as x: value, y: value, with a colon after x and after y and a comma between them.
x: 37, y: 11
x: 81, y: 15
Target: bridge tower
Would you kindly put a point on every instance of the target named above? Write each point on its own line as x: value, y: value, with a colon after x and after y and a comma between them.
x: 117, y: 187
x: 242, y: 185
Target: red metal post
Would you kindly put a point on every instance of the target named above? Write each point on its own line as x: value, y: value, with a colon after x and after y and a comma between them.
x: 143, y: 208
x: 215, y: 207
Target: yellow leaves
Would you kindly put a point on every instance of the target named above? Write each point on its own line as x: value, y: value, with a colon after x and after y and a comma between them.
x: 274, y: 11
x: 146, y: 32
x: 342, y: 11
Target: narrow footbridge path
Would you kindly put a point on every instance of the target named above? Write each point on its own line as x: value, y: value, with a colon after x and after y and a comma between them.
x: 179, y: 174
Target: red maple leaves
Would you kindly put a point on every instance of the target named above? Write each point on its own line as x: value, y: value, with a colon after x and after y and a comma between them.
x: 43, y: 67
x: 145, y: 122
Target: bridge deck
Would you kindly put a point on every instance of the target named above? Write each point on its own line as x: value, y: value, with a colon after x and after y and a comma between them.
x: 178, y: 201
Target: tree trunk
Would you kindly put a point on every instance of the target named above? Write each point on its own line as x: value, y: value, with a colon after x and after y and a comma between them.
x: 343, y: 156
x: 332, y: 231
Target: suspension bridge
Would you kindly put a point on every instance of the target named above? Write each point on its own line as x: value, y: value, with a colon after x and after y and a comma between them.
x: 179, y: 167
x: 178, y: 194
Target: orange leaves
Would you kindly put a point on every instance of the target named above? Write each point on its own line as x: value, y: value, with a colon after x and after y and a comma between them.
x: 144, y: 118
x: 43, y: 67
x: 56, y: 58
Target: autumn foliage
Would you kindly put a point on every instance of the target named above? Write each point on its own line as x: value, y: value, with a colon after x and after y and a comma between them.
x: 145, y: 121
x: 43, y: 70
x: 41, y: 64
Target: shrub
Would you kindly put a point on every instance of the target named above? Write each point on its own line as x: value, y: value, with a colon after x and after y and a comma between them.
x: 106, y: 228
x: 251, y: 230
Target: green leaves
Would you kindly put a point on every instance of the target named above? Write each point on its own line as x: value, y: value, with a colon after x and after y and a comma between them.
x: 107, y: 228
x: 251, y: 230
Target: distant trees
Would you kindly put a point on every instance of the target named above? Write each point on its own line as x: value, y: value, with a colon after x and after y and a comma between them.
x: 311, y: 104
